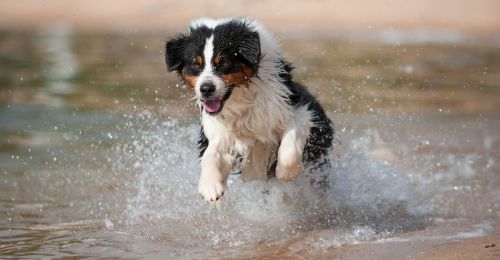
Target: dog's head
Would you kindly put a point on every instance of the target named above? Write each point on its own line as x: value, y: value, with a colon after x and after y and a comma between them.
x: 214, y: 57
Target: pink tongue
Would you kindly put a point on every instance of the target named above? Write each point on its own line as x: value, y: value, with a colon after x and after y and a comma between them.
x: 212, y: 105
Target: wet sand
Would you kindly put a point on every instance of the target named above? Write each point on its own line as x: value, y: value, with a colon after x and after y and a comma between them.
x: 484, y: 247
x: 410, y: 245
x: 487, y: 247
x: 475, y: 248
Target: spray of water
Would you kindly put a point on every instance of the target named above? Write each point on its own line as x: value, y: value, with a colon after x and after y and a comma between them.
x: 367, y: 196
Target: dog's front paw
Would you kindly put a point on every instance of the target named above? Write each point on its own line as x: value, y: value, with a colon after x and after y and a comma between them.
x: 288, y: 171
x: 210, y: 188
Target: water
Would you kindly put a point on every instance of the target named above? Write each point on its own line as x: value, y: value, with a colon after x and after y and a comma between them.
x: 98, y: 156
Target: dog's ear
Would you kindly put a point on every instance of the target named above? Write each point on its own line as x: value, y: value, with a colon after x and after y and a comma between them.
x: 250, y: 48
x: 174, y: 52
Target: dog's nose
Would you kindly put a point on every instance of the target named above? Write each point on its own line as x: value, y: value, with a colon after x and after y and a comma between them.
x: 207, y: 89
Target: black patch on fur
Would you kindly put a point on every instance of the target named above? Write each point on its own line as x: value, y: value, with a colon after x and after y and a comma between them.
x: 237, y: 42
x: 320, y: 139
x: 174, y: 52
x: 286, y: 73
x: 181, y: 52
x: 202, y: 142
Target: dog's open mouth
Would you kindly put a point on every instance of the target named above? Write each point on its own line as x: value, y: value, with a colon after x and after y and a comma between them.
x: 214, y: 106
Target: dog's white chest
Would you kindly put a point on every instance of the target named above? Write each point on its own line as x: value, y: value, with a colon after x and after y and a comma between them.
x: 256, y: 158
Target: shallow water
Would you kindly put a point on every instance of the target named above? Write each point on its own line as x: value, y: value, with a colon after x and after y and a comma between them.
x: 98, y: 158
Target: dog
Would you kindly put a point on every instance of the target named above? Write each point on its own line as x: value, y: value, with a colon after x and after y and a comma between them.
x: 252, y: 113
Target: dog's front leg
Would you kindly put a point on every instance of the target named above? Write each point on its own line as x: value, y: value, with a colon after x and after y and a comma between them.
x: 216, y: 165
x: 292, y: 145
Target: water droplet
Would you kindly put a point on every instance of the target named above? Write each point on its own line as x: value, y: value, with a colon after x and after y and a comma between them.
x: 408, y: 69
x: 108, y: 223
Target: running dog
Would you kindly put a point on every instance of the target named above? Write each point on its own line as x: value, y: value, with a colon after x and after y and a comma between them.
x: 252, y: 113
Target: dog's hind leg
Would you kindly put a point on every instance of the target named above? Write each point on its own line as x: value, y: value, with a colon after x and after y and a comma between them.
x: 292, y: 145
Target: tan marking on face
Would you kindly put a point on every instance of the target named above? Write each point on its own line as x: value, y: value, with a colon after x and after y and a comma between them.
x: 190, y: 80
x: 247, y: 70
x: 217, y: 59
x: 239, y: 78
x: 199, y: 60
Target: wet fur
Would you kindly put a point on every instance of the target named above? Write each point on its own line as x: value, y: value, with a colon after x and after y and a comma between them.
x: 269, y: 124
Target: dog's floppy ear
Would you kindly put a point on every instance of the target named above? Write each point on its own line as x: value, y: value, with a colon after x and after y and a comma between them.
x: 174, y: 52
x: 250, y: 48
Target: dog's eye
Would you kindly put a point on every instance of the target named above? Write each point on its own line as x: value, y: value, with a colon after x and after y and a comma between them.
x: 224, y: 63
x: 197, y: 62
x: 196, y: 65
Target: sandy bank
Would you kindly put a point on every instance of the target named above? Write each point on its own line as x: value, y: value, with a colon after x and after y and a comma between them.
x: 478, y: 16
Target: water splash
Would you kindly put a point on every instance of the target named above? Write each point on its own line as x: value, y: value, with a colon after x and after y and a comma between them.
x: 367, y: 195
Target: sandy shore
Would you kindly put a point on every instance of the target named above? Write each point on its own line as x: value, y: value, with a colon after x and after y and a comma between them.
x: 479, y: 16
x: 410, y: 245
x: 476, y: 248
x: 487, y: 247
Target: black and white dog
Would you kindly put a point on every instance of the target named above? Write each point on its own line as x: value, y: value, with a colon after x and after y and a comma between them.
x: 252, y: 113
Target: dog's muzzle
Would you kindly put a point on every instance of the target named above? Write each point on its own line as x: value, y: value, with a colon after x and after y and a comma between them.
x: 214, y: 105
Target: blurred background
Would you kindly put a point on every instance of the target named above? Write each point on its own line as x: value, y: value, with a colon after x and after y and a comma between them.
x: 97, y: 139
x: 95, y: 51
x: 318, y: 15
